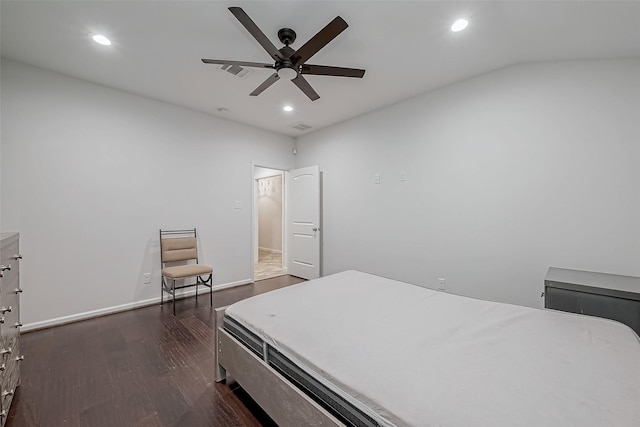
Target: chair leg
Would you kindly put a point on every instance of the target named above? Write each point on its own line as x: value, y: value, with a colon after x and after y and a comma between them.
x: 161, y: 290
x: 211, y: 289
x: 174, y: 297
x: 197, y: 283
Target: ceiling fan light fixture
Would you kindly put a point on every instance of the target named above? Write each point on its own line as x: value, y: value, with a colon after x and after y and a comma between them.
x: 287, y: 73
x: 459, y: 25
x: 100, y: 39
x: 287, y: 108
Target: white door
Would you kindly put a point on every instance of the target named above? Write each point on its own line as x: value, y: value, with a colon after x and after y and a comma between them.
x: 303, y: 222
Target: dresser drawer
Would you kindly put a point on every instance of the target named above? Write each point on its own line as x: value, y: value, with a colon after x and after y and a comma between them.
x: 10, y: 258
x: 10, y: 307
x: 6, y: 397
x: 9, y: 379
x: 10, y: 354
x: 9, y: 348
x: 10, y: 360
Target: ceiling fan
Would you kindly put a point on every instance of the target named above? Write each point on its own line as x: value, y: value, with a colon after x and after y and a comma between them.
x: 291, y: 64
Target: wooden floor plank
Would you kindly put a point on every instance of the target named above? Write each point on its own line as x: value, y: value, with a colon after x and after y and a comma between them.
x: 142, y: 367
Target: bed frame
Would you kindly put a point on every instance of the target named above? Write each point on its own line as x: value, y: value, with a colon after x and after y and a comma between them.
x: 285, y: 403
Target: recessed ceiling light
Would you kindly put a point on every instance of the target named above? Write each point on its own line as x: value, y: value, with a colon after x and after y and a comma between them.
x: 287, y: 108
x: 459, y: 25
x: 99, y: 38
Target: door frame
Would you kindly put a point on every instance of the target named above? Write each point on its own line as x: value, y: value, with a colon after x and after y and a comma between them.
x: 254, y: 213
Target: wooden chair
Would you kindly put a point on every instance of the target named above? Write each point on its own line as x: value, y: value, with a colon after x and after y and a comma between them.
x: 181, y: 246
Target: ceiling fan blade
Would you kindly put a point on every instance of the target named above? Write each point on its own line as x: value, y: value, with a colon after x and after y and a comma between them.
x: 256, y: 32
x: 265, y: 84
x: 238, y: 63
x: 322, y: 38
x: 325, y: 70
x: 304, y: 86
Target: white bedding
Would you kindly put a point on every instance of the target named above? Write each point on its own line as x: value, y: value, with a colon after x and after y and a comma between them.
x: 419, y: 357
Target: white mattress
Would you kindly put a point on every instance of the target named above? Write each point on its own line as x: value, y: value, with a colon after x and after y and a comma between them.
x: 419, y: 357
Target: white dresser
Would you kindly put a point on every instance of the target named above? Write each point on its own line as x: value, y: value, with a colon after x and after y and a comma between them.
x: 10, y: 355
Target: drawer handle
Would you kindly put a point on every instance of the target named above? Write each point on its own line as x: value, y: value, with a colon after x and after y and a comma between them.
x: 5, y: 351
x: 18, y: 290
x: 5, y: 267
x: 5, y: 309
x: 20, y: 358
x: 18, y: 325
x: 17, y: 257
x: 6, y: 393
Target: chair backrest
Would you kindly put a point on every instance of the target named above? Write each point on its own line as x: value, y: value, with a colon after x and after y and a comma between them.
x: 182, y: 248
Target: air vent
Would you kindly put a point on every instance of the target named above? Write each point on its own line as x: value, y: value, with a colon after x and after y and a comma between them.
x: 236, y: 70
x: 301, y: 126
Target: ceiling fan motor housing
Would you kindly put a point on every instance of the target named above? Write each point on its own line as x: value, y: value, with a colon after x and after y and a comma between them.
x: 287, y: 36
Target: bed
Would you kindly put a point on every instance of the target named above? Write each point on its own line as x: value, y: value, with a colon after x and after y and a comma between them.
x: 358, y: 349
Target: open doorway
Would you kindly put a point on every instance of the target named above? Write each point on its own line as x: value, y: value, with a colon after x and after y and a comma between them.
x: 268, y: 223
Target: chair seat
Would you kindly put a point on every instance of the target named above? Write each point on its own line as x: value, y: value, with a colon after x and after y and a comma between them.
x: 185, y: 271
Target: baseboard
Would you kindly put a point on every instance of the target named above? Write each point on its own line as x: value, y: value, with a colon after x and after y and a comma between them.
x: 123, y: 307
x: 275, y: 251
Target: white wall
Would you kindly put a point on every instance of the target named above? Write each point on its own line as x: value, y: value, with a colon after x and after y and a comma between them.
x: 508, y: 173
x: 270, y: 213
x: 89, y: 175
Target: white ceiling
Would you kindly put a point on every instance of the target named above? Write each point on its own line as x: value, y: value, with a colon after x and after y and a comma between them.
x: 406, y: 48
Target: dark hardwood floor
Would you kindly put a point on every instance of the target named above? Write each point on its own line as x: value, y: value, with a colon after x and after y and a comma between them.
x: 142, y: 367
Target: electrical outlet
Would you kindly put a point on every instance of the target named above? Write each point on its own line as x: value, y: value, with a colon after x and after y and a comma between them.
x: 376, y: 178
x: 442, y: 284
x: 147, y: 278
